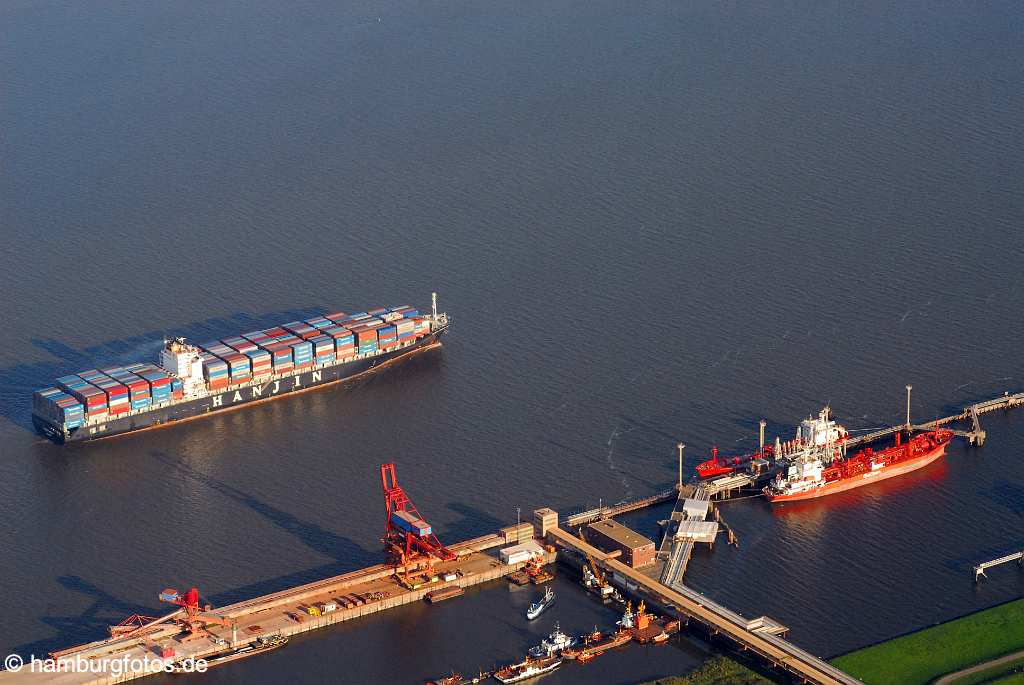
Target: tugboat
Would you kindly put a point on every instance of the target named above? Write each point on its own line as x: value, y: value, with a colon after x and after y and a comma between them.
x: 553, y: 644
x: 542, y: 605
x: 645, y: 627
x: 528, y: 668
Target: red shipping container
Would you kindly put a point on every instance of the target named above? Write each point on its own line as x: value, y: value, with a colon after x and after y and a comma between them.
x: 366, y: 335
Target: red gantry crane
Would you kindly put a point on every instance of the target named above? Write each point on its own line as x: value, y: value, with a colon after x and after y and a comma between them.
x: 190, y: 616
x: 196, y: 617
x: 408, y: 539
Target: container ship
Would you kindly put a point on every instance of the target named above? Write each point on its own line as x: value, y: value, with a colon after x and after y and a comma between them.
x: 827, y: 471
x: 190, y: 381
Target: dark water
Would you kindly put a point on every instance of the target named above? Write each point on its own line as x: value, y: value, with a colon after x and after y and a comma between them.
x: 651, y: 222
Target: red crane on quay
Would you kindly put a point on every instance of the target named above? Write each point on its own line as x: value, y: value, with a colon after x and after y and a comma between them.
x: 408, y: 538
x: 191, y: 615
x: 196, y: 619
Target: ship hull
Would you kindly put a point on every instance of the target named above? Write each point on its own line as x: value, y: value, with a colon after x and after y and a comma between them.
x: 233, y: 398
x: 863, y: 479
x: 711, y: 471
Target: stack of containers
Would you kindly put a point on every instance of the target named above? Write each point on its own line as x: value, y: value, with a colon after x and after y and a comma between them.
x: 366, y: 321
x: 387, y: 338
x: 44, y: 401
x: 217, y: 349
x: 281, y: 356
x: 92, y: 376
x: 422, y: 325
x: 352, y: 319
x: 301, y: 329
x: 239, y: 368
x: 159, y: 381
x: 138, y: 389
x: 320, y: 322
x: 94, y: 399
x: 406, y: 329
x: 395, y: 313
x: 215, y: 371
x: 258, y: 338
x: 323, y: 349
x: 116, y: 394
x: 240, y: 344
x: 275, y: 333
x: 344, y: 343
x: 177, y: 389
x: 378, y: 311
x: 366, y: 339
x: 336, y: 316
x: 405, y: 310
x: 118, y: 399
x: 262, y: 363
x: 59, y: 407
x: 302, y: 354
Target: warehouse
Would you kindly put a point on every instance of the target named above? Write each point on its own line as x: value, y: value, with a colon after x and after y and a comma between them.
x: 637, y: 551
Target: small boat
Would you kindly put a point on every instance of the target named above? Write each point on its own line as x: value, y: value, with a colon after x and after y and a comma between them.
x: 719, y: 465
x: 529, y: 668
x: 553, y: 644
x: 458, y: 679
x: 260, y: 644
x: 542, y: 605
x: 453, y: 679
x: 597, y: 643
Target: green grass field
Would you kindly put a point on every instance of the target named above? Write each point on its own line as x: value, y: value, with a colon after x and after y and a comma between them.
x: 1015, y: 679
x: 718, y: 670
x: 921, y: 657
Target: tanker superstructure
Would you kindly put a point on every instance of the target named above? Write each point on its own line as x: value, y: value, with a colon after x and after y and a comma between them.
x: 190, y: 381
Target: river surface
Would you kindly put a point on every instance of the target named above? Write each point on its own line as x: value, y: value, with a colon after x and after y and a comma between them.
x: 650, y: 222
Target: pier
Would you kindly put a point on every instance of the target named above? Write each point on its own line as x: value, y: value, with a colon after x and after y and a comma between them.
x: 194, y: 632
x: 378, y: 588
x: 979, y: 570
x: 759, y: 636
x: 975, y: 436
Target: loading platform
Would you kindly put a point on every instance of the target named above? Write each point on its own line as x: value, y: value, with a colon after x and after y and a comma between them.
x: 686, y: 526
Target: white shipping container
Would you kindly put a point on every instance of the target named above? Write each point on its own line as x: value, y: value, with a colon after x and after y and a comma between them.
x: 515, y: 557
